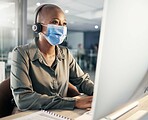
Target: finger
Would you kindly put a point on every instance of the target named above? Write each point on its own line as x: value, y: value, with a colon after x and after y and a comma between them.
x: 88, y: 109
x: 88, y: 105
x: 90, y: 97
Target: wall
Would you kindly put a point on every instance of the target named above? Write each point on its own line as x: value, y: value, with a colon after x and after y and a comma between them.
x: 74, y: 38
x: 91, y: 38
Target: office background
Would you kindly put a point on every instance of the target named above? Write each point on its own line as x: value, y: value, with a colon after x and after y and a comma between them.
x: 84, y: 22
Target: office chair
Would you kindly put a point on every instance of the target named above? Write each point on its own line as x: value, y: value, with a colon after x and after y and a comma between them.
x: 6, y: 105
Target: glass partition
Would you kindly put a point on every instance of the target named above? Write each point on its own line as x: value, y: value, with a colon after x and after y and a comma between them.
x: 8, y: 37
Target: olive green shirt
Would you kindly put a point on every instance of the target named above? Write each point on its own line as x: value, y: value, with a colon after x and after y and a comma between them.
x: 35, y: 85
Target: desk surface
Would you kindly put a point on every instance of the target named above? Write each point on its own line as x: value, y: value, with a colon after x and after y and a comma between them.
x: 143, y: 105
x: 68, y: 113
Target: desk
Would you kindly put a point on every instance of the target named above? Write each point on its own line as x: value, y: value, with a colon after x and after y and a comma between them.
x: 68, y: 113
x: 143, y: 105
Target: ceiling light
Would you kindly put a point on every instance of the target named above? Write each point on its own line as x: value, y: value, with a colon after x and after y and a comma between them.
x: 96, y: 26
x: 38, y: 4
x: 66, y: 11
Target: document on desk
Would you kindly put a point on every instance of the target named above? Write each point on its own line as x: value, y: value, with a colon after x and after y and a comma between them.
x: 43, y: 115
x: 139, y: 115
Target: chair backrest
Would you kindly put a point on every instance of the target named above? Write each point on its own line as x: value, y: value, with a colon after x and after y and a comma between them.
x: 6, y: 105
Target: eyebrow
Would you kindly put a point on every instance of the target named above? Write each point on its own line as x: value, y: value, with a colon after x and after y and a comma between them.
x: 59, y: 19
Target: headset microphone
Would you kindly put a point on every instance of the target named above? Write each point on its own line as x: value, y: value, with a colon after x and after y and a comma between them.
x: 37, y: 27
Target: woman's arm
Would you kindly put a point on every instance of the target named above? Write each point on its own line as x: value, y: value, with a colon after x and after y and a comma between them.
x: 78, y: 78
x: 23, y: 93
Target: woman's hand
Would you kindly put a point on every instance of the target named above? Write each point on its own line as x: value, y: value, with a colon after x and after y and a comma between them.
x: 83, y: 102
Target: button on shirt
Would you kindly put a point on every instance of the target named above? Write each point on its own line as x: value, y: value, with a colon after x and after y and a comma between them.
x: 37, y: 86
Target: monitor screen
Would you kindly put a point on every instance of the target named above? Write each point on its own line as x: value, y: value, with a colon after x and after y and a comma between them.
x: 123, y: 54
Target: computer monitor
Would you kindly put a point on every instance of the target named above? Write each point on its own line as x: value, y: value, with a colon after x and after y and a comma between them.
x: 123, y: 54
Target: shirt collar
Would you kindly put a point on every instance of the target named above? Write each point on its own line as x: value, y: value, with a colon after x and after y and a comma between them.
x: 36, y: 54
x: 59, y: 52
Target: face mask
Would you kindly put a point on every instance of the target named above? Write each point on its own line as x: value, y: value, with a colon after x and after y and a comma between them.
x: 55, y: 34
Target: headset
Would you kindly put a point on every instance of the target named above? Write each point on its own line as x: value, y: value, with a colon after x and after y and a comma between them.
x: 37, y: 27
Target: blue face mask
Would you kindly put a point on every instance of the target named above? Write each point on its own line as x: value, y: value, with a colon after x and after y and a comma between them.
x: 55, y: 34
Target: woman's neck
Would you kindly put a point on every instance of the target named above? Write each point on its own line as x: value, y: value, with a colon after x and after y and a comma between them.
x: 45, y: 47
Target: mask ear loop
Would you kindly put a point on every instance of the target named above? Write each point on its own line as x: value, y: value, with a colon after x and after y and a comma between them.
x: 46, y: 30
x: 44, y: 35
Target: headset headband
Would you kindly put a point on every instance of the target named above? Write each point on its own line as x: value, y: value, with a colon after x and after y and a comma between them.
x: 37, y: 11
x: 37, y: 27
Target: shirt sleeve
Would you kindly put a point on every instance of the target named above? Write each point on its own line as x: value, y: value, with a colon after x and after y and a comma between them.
x: 24, y: 95
x: 80, y: 79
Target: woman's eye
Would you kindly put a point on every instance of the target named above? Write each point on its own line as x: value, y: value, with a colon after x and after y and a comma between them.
x: 55, y: 22
x: 64, y: 24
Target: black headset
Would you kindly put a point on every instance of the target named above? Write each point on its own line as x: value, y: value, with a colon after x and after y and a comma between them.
x: 37, y: 27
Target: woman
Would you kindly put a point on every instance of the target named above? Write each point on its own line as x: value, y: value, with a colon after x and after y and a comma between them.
x: 42, y: 70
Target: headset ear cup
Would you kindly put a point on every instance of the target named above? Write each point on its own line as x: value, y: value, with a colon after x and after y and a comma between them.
x: 37, y: 28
